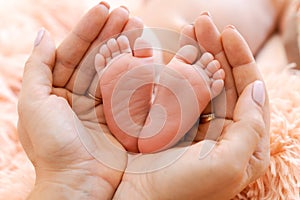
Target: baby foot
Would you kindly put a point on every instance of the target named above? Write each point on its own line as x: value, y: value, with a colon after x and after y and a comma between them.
x: 126, y: 83
x: 183, y: 92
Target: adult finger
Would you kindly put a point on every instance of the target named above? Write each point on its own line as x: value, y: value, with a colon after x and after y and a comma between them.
x: 132, y: 30
x: 246, y: 137
x: 37, y: 83
x: 240, y: 58
x: 209, y: 39
x: 74, y: 47
x: 84, y: 73
x: 37, y: 77
x: 244, y: 67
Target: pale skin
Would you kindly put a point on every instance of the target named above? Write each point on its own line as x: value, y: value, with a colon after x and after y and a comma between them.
x: 66, y: 170
x: 131, y: 74
x: 53, y: 91
x: 257, y: 19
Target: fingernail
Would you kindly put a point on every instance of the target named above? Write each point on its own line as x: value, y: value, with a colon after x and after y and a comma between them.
x: 125, y: 8
x: 231, y: 26
x: 258, y: 93
x: 206, y: 13
x: 105, y: 4
x: 39, y: 37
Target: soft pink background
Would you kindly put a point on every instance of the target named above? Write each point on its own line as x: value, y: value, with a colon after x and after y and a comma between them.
x: 19, y: 22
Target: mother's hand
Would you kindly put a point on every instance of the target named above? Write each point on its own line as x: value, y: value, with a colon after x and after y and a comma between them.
x: 212, y: 169
x: 60, y: 137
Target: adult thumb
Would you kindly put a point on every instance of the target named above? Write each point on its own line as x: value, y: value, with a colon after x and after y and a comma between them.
x: 37, y: 77
x: 250, y: 126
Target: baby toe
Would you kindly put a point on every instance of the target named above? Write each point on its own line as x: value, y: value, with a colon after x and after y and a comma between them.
x: 186, y: 54
x: 219, y: 74
x: 114, y: 48
x: 142, y: 48
x: 124, y: 44
x: 217, y: 87
x: 105, y: 52
x: 213, y: 66
x: 205, y: 59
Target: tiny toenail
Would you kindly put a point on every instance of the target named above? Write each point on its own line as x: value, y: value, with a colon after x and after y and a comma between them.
x: 206, y: 13
x: 125, y: 8
x: 231, y: 26
x: 105, y: 4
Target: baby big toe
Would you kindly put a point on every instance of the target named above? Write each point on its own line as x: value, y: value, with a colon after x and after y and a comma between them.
x: 142, y: 48
x: 124, y: 44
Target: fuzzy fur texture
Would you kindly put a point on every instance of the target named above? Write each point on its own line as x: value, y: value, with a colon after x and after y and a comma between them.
x: 19, y: 22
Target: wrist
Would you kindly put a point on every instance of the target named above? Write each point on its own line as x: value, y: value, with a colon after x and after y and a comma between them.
x: 70, y: 185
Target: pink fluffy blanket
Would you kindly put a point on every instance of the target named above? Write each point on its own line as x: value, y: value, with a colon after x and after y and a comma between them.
x: 19, y: 22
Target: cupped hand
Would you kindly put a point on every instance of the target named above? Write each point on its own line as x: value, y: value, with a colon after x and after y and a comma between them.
x: 70, y: 150
x: 212, y: 169
x: 62, y: 138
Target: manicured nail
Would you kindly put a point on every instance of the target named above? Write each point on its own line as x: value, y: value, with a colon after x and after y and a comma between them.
x: 231, y: 26
x: 105, y: 4
x: 206, y: 13
x: 258, y: 93
x: 125, y: 8
x: 39, y: 37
